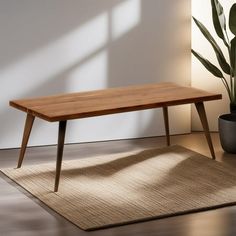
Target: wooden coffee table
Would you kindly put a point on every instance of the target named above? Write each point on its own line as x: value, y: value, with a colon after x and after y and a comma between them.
x: 109, y: 101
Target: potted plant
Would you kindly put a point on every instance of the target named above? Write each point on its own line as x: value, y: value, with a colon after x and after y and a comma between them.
x: 226, y: 70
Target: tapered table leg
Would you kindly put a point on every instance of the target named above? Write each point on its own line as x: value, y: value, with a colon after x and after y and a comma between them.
x: 27, y: 130
x: 202, y: 114
x: 60, y: 148
x: 166, y: 120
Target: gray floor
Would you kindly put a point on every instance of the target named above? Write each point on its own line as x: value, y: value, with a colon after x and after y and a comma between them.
x: 23, y: 215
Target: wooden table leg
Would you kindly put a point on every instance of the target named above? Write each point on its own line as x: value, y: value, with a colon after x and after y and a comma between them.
x: 202, y: 114
x: 60, y: 147
x: 27, y: 130
x: 166, y: 120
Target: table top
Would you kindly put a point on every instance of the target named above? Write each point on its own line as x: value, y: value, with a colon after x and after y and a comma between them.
x: 113, y: 100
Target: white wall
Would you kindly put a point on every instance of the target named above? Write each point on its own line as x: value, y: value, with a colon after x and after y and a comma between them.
x: 58, y: 46
x: 201, y: 78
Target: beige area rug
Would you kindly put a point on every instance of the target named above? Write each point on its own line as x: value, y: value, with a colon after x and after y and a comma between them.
x: 123, y: 188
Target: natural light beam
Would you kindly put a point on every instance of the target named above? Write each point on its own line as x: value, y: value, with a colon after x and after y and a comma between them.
x: 125, y: 17
x: 57, y: 57
x: 89, y: 75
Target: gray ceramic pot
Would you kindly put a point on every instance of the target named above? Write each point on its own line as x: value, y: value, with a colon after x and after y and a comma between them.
x: 227, y: 131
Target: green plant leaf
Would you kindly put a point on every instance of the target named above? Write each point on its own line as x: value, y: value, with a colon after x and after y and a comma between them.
x: 233, y: 52
x: 219, y: 54
x: 208, y: 65
x: 232, y: 19
x: 218, y: 18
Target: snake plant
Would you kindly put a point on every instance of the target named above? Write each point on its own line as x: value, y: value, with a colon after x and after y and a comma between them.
x: 226, y: 70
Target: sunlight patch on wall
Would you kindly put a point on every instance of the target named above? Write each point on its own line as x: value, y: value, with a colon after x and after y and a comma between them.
x: 52, y: 60
x: 90, y: 75
x: 125, y: 16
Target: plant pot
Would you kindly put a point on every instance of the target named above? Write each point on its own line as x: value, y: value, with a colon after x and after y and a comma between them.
x: 227, y: 131
x: 233, y: 108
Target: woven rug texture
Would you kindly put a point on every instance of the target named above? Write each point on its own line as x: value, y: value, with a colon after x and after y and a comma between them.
x: 130, y: 187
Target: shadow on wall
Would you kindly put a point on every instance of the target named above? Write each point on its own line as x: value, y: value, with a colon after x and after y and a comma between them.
x: 67, y: 46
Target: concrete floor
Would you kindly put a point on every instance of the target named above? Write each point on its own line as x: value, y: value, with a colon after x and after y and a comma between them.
x: 23, y: 215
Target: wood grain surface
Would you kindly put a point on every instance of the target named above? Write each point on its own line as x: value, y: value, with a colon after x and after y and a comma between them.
x: 110, y: 101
